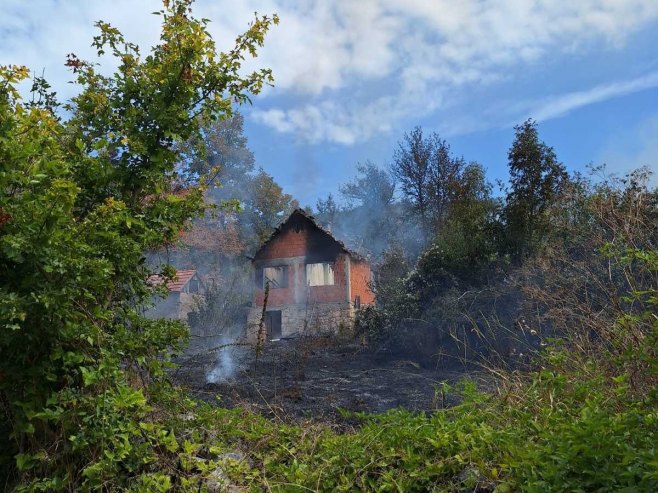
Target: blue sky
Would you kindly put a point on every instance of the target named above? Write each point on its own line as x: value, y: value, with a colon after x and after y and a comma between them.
x: 352, y: 77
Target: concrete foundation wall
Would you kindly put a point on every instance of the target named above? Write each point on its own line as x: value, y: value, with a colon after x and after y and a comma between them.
x: 301, y: 319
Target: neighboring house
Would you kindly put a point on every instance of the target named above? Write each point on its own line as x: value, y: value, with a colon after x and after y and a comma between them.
x: 315, y: 281
x: 184, y: 292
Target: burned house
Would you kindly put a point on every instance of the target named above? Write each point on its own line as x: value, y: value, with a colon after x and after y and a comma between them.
x: 306, y: 281
x: 185, y: 290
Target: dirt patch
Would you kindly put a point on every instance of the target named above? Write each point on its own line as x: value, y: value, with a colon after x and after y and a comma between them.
x: 318, y: 378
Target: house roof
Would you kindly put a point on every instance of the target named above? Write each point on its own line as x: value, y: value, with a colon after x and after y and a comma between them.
x: 177, y: 284
x: 302, y: 214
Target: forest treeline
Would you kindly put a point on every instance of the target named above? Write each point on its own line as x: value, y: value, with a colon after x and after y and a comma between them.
x: 455, y: 260
x: 562, y: 266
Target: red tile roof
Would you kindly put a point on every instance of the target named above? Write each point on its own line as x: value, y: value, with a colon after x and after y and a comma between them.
x: 177, y: 284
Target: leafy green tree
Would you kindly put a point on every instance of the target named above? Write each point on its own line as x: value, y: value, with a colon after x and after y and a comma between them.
x: 372, y: 188
x: 81, y: 199
x: 265, y: 207
x: 411, y: 166
x: 443, y: 185
x: 536, y: 179
x: 470, y: 235
x: 220, y: 150
x: 429, y: 177
x: 391, y: 273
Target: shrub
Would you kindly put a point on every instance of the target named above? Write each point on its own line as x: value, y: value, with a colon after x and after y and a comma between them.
x: 81, y: 199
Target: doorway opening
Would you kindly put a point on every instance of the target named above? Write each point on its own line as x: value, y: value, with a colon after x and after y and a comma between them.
x: 273, y: 324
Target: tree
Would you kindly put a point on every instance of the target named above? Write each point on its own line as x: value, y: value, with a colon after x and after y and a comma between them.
x: 265, y: 207
x: 411, y: 166
x: 428, y: 175
x: 81, y: 199
x: 368, y: 221
x: 220, y: 150
x: 443, y: 181
x: 251, y: 204
x: 219, y: 154
x: 372, y: 188
x: 536, y: 179
x: 470, y: 234
x: 327, y: 211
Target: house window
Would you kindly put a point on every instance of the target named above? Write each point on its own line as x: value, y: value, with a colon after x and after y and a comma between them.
x: 321, y: 274
x: 276, y: 276
x: 357, y: 302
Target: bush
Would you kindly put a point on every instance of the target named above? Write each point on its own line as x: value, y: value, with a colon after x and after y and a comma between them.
x: 81, y: 200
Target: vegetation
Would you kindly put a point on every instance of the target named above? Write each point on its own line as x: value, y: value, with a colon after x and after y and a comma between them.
x: 554, y: 287
x: 536, y: 178
x: 82, y: 198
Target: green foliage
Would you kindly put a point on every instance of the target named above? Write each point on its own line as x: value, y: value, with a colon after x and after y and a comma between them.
x: 221, y: 150
x: 536, y: 180
x: 265, y: 207
x: 431, y: 178
x: 468, y: 241
x: 371, y: 188
x: 576, y: 424
x: 84, y: 400
x: 553, y: 431
x: 81, y: 200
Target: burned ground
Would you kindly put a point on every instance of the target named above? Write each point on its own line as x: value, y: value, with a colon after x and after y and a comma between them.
x: 318, y: 378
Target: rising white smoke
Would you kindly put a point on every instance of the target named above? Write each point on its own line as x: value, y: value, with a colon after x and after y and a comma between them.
x: 224, y: 368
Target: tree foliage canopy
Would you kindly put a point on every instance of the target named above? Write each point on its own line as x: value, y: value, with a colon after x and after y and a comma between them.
x: 536, y: 178
x: 81, y: 199
x: 371, y: 188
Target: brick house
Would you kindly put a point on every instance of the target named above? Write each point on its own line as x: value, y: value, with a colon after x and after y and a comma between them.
x: 315, y: 281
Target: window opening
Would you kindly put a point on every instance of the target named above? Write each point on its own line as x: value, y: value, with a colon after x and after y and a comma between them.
x: 276, y: 276
x: 194, y: 286
x: 320, y: 274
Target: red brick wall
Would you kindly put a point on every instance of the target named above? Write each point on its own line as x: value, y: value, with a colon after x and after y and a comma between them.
x: 279, y: 296
x: 287, y: 244
x: 290, y: 244
x: 337, y: 292
x: 360, y: 277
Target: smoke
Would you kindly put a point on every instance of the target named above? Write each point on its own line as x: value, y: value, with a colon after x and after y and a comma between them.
x: 219, y: 244
x: 371, y: 219
x: 225, y: 365
x: 218, y: 324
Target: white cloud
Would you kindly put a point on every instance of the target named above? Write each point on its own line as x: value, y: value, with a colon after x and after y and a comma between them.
x: 507, y: 113
x: 40, y: 33
x: 563, y: 104
x: 425, y: 51
x: 327, y: 121
x: 354, y: 68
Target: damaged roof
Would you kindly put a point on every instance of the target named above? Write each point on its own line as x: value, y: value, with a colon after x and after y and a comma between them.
x: 301, y: 214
